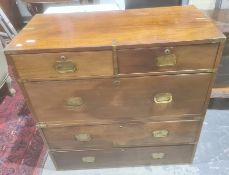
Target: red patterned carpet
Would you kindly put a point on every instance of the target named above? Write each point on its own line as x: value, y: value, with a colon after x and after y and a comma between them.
x: 22, y: 151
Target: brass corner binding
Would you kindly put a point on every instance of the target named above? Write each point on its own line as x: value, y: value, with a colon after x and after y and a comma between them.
x: 41, y: 125
x: 21, y: 81
x: 218, y: 40
x: 115, y: 59
x: 211, y: 70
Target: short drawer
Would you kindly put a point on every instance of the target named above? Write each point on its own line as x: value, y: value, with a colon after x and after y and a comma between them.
x: 122, y: 135
x: 133, y: 99
x: 66, y: 65
x: 159, y: 59
x: 123, y: 157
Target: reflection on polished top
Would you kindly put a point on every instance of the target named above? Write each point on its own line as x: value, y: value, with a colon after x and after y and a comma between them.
x: 79, y: 31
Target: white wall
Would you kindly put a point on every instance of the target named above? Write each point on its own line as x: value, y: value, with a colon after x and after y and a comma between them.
x: 203, y: 4
x: 225, y: 4
x: 120, y: 3
x: 24, y: 12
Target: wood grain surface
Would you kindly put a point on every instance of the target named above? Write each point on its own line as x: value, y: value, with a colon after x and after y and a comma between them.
x: 122, y: 135
x: 190, y: 57
x: 131, y: 28
x: 123, y: 157
x: 42, y: 66
x: 106, y: 102
x: 106, y: 113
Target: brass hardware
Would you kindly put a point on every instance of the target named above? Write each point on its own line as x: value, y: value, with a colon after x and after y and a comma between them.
x: 163, y: 98
x: 41, y: 125
x: 20, y: 81
x: 158, y: 155
x: 83, y: 137
x: 211, y: 70
x: 160, y: 133
x: 218, y: 40
x: 167, y: 51
x: 116, y: 82
x: 65, y: 66
x: 88, y: 159
x: 74, y: 102
x: 168, y: 59
x: 115, y: 57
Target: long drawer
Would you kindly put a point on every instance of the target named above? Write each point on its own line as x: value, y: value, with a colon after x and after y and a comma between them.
x: 123, y: 157
x: 64, y: 65
x: 161, y: 59
x: 134, y: 99
x: 122, y: 135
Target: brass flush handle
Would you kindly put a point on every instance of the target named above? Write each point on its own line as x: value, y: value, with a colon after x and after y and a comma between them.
x: 168, y: 59
x: 158, y: 155
x: 74, y: 102
x: 83, y: 137
x: 163, y: 98
x: 160, y: 133
x: 88, y: 159
x: 65, y: 66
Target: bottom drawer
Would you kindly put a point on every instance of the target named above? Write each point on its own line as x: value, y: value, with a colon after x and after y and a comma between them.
x: 123, y: 157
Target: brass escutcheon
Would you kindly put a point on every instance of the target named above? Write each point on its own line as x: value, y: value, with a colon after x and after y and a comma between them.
x: 168, y: 59
x: 65, y: 66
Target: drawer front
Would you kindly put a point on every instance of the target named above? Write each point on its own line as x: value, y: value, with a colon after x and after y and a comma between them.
x: 167, y: 59
x: 123, y: 157
x: 67, y: 65
x: 122, y: 135
x: 102, y: 101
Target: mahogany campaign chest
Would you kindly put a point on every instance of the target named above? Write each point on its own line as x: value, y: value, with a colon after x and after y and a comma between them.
x: 119, y: 88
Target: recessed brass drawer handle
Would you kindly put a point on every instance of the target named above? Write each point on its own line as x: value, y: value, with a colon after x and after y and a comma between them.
x: 158, y: 155
x: 163, y: 98
x: 83, y: 137
x: 88, y: 159
x: 65, y: 66
x: 74, y: 102
x: 160, y: 133
x: 168, y: 59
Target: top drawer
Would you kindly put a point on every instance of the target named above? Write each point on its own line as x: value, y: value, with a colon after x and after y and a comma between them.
x: 159, y: 59
x: 66, y: 65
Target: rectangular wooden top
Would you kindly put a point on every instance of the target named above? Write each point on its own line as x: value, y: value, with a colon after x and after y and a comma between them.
x: 130, y: 28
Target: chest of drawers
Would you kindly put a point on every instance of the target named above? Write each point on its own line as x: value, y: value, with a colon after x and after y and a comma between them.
x: 121, y: 88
